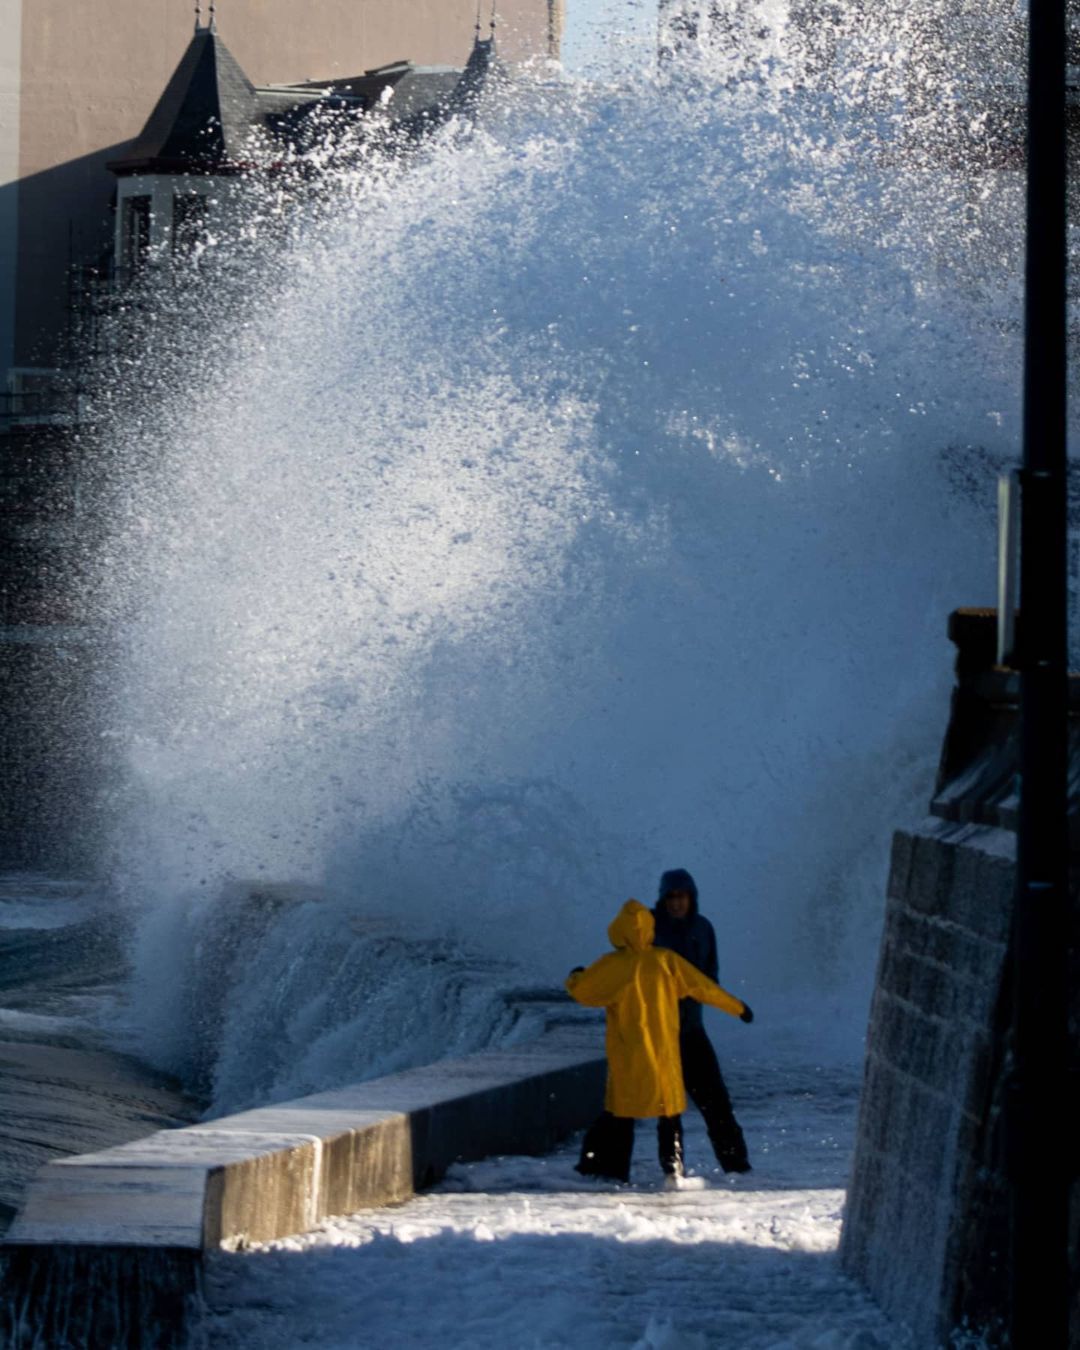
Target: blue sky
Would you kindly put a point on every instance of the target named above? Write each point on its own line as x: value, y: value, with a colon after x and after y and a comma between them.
x: 590, y: 25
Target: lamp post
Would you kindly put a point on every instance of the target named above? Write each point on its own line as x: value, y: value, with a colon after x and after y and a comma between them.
x: 1038, y: 1145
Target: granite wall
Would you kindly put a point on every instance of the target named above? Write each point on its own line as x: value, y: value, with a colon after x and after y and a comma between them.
x: 928, y: 1115
x: 926, y: 1229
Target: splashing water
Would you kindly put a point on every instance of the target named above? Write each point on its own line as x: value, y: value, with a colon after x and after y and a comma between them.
x: 565, y: 504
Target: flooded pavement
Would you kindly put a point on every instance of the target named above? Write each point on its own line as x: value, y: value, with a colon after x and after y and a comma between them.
x: 64, y: 1087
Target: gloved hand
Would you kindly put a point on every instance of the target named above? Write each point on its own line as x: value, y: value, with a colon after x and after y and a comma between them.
x: 747, y: 1014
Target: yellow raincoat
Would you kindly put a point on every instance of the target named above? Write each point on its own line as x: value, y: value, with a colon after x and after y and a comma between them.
x: 640, y: 986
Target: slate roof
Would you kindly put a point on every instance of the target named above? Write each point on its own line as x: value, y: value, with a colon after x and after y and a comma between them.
x: 204, y: 121
x: 212, y: 120
x: 399, y: 95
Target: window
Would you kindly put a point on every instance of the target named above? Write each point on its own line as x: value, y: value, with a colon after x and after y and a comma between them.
x: 190, y: 213
x: 136, y: 239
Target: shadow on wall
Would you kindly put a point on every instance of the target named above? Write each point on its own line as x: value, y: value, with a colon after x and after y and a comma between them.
x: 64, y: 221
x: 50, y: 672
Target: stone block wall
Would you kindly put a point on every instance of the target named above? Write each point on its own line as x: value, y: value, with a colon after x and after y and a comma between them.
x: 927, y: 1156
x: 927, y: 1226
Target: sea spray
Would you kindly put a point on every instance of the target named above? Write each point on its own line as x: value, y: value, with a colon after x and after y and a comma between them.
x: 566, y: 503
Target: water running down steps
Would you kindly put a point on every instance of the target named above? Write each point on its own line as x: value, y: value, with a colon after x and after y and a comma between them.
x: 65, y: 1088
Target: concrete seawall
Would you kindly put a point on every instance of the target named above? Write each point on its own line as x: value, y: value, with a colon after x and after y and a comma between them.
x: 107, y: 1248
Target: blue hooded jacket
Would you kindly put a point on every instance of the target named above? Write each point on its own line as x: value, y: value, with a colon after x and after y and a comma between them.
x: 693, y: 938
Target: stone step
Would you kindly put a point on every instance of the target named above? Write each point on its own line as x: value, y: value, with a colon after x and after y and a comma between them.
x: 264, y: 1174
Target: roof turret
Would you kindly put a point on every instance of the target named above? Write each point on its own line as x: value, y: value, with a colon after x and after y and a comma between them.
x: 211, y: 120
x: 205, y: 120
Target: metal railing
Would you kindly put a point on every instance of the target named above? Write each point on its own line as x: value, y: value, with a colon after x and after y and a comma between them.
x: 38, y: 407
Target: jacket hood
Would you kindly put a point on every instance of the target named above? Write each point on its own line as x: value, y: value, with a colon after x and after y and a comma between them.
x: 633, y: 927
x: 678, y: 879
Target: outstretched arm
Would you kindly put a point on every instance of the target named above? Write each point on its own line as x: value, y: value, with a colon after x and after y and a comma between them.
x: 601, y: 983
x: 695, y: 985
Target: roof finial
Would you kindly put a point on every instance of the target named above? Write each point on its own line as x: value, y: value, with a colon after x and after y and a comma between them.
x: 493, y: 3
x: 478, y: 4
x: 198, y: 15
x: 213, y: 17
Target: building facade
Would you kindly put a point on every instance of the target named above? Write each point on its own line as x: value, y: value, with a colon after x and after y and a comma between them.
x: 124, y: 126
x: 80, y: 78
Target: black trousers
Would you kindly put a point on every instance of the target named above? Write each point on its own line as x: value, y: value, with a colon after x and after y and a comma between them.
x: 706, y: 1089
x: 608, y: 1146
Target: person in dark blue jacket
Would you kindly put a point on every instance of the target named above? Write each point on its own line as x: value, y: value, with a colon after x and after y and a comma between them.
x: 681, y: 928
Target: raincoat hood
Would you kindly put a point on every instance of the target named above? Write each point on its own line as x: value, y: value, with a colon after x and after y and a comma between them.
x: 633, y: 927
x: 678, y: 879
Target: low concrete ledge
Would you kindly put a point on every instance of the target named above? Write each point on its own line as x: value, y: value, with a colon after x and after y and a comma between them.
x: 159, y: 1203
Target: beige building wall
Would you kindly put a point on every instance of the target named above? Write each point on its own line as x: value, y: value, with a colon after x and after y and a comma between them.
x: 90, y: 71
x: 10, y: 91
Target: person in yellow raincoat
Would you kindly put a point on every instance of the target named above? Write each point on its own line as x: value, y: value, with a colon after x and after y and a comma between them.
x: 639, y: 986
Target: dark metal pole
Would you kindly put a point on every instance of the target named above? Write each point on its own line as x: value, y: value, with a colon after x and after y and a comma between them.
x: 1038, y: 1145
